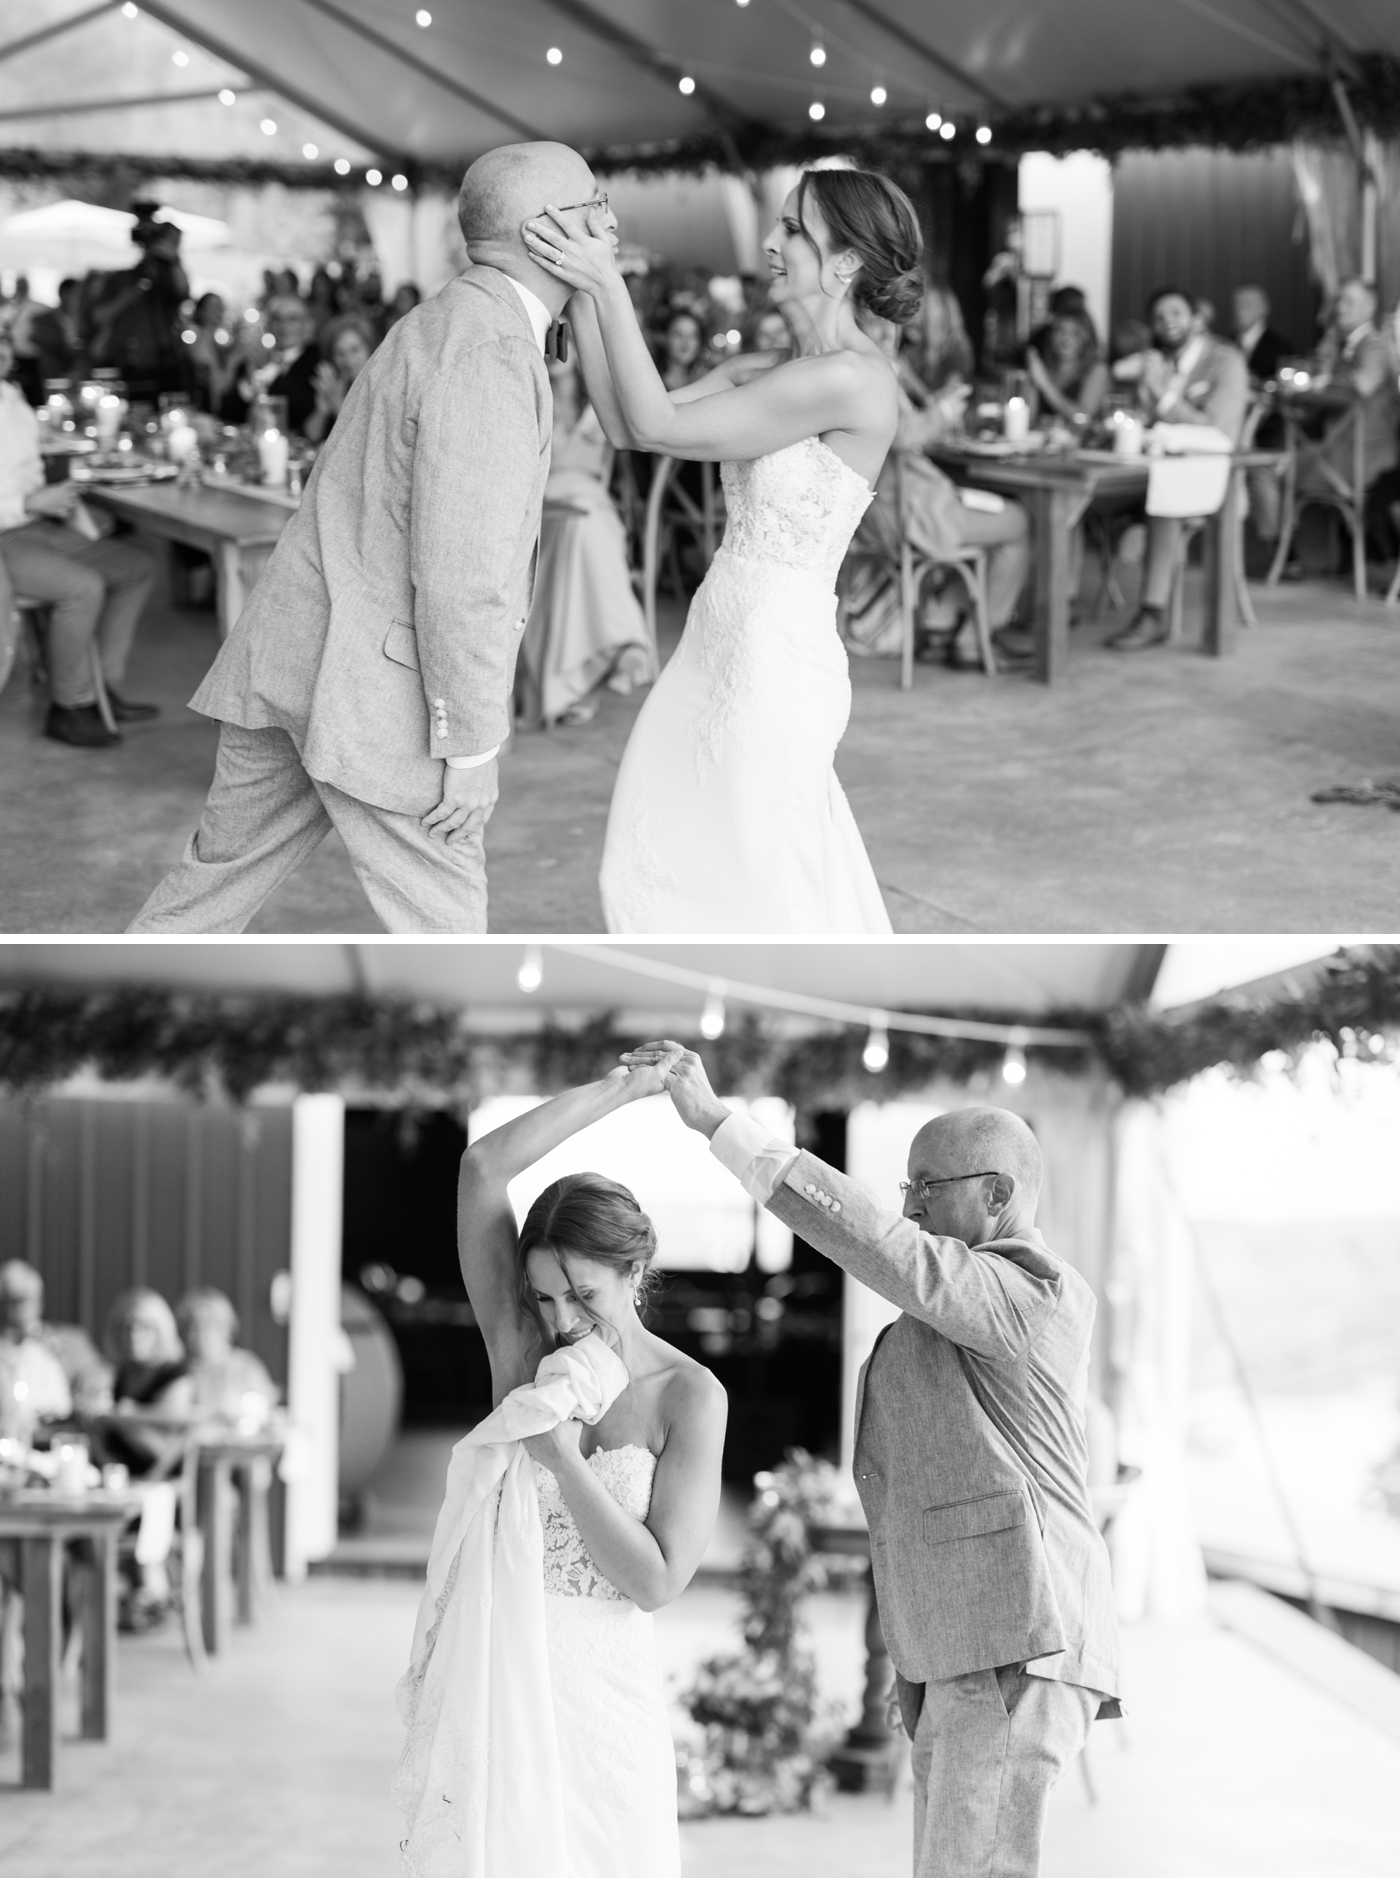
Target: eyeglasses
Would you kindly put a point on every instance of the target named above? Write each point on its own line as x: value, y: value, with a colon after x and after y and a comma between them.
x: 924, y: 1188
x: 600, y: 201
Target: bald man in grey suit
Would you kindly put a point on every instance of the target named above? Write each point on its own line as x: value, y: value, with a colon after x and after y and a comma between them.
x: 367, y: 684
x: 971, y: 1462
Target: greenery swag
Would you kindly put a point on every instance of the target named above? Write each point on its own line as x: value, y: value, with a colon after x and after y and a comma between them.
x: 419, y: 1055
x: 766, y: 1729
x: 1248, y: 116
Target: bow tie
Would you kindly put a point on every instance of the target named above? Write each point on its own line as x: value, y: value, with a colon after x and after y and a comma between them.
x: 556, y: 343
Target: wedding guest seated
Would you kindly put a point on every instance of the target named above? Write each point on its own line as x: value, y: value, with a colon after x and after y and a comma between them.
x: 935, y: 351
x: 1353, y: 382
x: 347, y: 344
x: 89, y: 1379
x: 1263, y: 346
x: 96, y: 590
x: 586, y: 628
x: 33, y: 1386
x: 214, y: 361
x: 1189, y: 378
x: 1068, y: 378
x: 941, y: 518
x: 406, y: 297
x: 223, y: 1382
x: 286, y: 369
x: 682, y: 349
x: 766, y: 331
x: 146, y: 1433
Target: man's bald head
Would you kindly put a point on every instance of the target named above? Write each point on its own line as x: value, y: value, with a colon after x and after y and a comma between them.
x: 968, y: 1141
x: 983, y: 1170
x: 504, y: 188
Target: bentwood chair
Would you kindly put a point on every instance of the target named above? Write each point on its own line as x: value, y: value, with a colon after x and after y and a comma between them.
x: 1345, y: 499
x: 36, y: 616
x: 671, y: 512
x: 888, y: 549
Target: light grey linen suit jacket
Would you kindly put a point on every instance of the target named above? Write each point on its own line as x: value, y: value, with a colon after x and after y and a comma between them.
x: 970, y: 1454
x: 383, y: 633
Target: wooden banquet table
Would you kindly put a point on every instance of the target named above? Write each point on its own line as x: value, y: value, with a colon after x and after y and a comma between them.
x: 1058, y: 487
x: 235, y: 527
x: 44, y: 1523
x: 236, y: 1552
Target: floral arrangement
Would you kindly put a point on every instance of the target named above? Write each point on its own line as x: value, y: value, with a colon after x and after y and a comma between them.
x: 767, y: 1731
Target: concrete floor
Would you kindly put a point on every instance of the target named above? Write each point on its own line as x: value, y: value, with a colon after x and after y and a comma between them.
x: 1234, y: 1764
x: 1162, y: 792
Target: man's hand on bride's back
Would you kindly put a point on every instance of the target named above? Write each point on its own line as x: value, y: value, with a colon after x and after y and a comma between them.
x: 468, y: 797
x: 685, y: 1082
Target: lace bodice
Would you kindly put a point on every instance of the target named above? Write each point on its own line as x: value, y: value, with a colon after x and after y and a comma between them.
x: 569, y: 1572
x: 798, y: 506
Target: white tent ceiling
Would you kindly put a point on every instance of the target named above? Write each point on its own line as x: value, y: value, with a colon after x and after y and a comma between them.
x: 478, y: 73
x: 1019, y: 981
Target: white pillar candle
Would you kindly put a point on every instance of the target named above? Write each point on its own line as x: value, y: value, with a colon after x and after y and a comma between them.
x: 182, y: 440
x: 274, y: 452
x: 1016, y: 420
x: 109, y: 417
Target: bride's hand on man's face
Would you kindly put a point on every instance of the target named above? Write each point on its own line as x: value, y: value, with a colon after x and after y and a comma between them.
x: 573, y: 248
x: 685, y: 1082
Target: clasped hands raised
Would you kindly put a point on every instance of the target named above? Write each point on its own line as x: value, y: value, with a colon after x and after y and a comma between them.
x: 663, y: 1065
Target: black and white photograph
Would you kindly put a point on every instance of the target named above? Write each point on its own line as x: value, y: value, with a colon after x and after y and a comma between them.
x: 699, y: 938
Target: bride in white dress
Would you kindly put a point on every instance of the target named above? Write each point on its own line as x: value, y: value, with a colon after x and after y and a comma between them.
x: 727, y: 815
x: 627, y: 1505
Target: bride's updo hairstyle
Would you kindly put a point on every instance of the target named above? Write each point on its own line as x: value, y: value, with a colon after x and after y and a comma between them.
x: 867, y: 213
x: 590, y: 1217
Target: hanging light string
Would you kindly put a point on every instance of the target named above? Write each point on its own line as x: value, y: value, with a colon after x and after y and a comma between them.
x: 832, y: 1010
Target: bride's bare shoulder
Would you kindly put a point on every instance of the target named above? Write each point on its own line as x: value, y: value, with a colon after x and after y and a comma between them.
x: 689, y: 1391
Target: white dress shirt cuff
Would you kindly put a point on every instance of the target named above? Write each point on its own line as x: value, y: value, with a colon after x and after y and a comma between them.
x: 473, y: 762
x: 752, y: 1155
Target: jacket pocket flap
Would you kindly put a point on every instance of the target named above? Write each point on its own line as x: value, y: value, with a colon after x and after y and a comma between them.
x: 968, y: 1519
x: 401, y: 645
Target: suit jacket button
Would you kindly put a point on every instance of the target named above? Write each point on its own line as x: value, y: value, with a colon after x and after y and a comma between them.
x: 836, y: 1206
x: 810, y: 1188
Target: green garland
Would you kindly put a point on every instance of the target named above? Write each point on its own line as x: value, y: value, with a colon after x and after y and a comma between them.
x: 419, y: 1055
x: 1249, y: 116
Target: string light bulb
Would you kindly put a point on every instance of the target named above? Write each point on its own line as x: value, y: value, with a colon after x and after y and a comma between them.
x: 686, y: 86
x: 947, y: 130
x: 226, y: 96
x: 554, y: 56
x: 129, y: 11
x: 818, y: 53
x: 876, y: 1054
x: 373, y: 178
x: 179, y: 58
x: 712, y: 1017
x: 268, y: 128
x: 984, y: 134
x: 816, y: 110
x: 531, y: 974
x: 423, y: 17
x: 342, y: 166
x: 310, y: 152
x: 741, y: 3
x: 878, y: 94
x: 400, y: 182
x: 932, y: 121
x: 1013, y: 1065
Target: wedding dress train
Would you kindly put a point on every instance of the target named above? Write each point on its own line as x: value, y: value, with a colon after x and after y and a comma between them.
x: 727, y: 815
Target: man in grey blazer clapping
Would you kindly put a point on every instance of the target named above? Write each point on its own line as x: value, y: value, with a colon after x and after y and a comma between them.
x: 366, y: 685
x: 970, y: 1458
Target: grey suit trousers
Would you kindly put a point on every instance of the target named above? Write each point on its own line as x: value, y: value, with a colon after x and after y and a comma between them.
x: 988, y: 1749
x: 265, y: 814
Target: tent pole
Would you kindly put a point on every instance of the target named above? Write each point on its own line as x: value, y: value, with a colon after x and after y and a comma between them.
x: 106, y: 104
x: 38, y: 38
x: 264, y: 79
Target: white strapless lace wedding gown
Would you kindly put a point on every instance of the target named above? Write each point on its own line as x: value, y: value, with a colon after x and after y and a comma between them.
x: 617, y: 1758
x: 727, y: 815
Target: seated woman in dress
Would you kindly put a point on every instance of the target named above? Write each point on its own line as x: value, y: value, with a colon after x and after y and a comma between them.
x: 935, y: 352
x: 146, y: 1433
x: 224, y: 1382
x: 1068, y: 378
x: 586, y: 628
x: 912, y: 492
x: 347, y: 344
